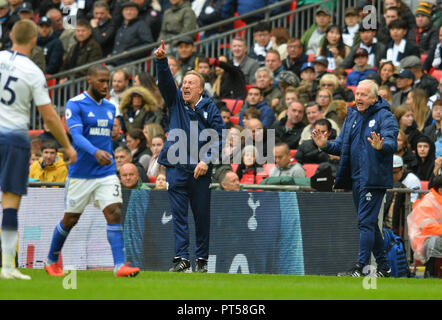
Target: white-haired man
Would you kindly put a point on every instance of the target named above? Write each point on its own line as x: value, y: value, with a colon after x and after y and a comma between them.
x: 366, y: 145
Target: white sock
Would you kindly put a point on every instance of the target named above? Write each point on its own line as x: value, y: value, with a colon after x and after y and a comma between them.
x: 9, y: 248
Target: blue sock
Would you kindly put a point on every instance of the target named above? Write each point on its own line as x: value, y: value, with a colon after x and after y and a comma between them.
x: 58, y: 239
x: 10, y: 219
x: 115, y: 238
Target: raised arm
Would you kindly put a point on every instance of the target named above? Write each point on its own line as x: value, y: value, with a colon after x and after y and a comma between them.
x: 166, y: 82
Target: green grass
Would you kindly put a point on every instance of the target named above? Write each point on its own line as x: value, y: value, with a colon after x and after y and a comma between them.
x: 102, y: 285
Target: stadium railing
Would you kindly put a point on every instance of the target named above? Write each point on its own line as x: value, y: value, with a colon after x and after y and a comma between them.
x: 296, y: 21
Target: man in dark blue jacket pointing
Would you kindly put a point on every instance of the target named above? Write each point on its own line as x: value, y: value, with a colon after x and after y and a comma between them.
x: 366, y: 146
x: 194, y: 143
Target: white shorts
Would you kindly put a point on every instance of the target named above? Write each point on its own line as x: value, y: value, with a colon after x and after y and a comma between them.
x: 101, y: 191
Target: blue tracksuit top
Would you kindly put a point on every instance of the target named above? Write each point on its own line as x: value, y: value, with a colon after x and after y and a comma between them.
x: 376, y: 166
x: 205, y: 116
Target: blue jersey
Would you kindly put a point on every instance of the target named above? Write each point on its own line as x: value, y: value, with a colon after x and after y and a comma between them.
x: 91, y: 125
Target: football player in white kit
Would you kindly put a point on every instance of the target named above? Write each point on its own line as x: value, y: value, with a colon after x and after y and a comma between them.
x: 21, y: 81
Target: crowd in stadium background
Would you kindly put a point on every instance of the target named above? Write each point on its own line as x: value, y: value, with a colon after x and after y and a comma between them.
x: 291, y: 85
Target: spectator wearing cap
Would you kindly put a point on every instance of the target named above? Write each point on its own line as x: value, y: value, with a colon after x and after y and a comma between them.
x: 434, y: 59
x: 394, y: 207
x: 51, y: 45
x: 255, y: 99
x: 274, y: 63
x: 351, y: 19
x: 321, y: 65
x: 287, y: 79
x: 178, y: 19
x: 361, y: 68
x: 296, y: 56
x: 422, y: 80
x: 187, y: 57
x: 133, y: 33
x: 308, y: 76
x: 248, y: 66
x: 313, y: 38
x: 366, y: 40
x: 404, y: 82
x: 399, y: 47
x: 103, y: 28
x: 426, y: 36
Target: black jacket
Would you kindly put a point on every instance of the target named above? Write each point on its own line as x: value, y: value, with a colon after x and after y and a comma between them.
x: 428, y: 83
x: 105, y: 35
x: 295, y: 66
x: 292, y: 136
x: 428, y: 63
x: 426, y: 39
x: 308, y: 152
x: 378, y: 48
x: 53, y: 51
x: 130, y: 36
x: 233, y: 83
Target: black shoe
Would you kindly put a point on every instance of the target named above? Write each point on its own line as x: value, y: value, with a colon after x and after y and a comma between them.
x: 180, y: 265
x: 201, y: 265
x: 382, y: 273
x: 356, y: 271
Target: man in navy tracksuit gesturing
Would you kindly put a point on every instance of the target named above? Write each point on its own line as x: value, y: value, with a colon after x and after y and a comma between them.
x: 188, y: 160
x: 366, y: 146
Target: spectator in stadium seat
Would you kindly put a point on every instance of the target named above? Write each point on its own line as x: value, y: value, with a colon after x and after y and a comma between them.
x: 255, y: 99
x: 309, y: 152
x: 206, y: 70
x: 156, y: 145
x: 436, y: 96
x: 417, y: 100
x: 51, y: 167
x: 52, y: 46
x: 422, y: 80
x: 262, y: 42
x: 274, y: 63
x: 6, y: 25
x: 425, y: 228
x: 404, y: 150
x: 137, y: 143
x: 129, y: 177
x: 434, y: 129
x: 323, y: 99
x: 118, y: 138
x: 307, y: 79
x: 248, y: 168
x: 315, y: 112
x: 280, y: 37
x: 160, y: 181
x: 178, y: 19
x: 289, y: 128
x: 187, y: 57
x: 66, y: 35
x: 347, y: 93
x: 133, y: 33
x: 35, y: 156
x: 290, y: 95
x: 376, y: 50
x: 248, y: 66
x: 404, y: 11
x: 103, y: 28
x: 351, y: 19
x: 313, y: 38
x: 330, y: 82
x: 150, y: 13
x: 264, y: 80
x: 434, y: 59
x: 333, y: 47
x: 138, y: 107
x: 175, y: 69
x: 283, y: 166
x: 321, y: 65
x: 86, y: 49
x: 120, y: 82
x: 226, y: 114
x: 26, y: 11
x: 229, y: 82
x: 394, y: 207
x: 47, y: 5
x: 385, y: 92
x: 426, y: 155
x: 404, y: 83
x: 122, y: 156
x: 229, y: 181
x: 386, y: 72
x: 296, y: 56
x: 399, y: 47
x: 405, y: 117
x: 383, y: 34
x: 361, y: 68
x: 250, y: 113
x: 426, y: 36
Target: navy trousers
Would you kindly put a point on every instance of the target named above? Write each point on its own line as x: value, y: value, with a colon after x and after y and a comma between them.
x: 183, y: 190
x: 368, y: 203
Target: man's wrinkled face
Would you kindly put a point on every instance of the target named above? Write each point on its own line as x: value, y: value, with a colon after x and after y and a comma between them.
x: 295, y: 112
x: 129, y: 176
x: 364, y: 97
x: 121, y: 158
x: 263, y: 80
x: 313, y: 113
x: 191, y: 88
x: 231, y: 182
x: 272, y: 61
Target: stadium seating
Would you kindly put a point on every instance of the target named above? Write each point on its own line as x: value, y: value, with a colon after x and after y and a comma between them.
x: 248, y: 86
x: 310, y: 169
x: 239, y: 24
x: 424, y: 185
x: 423, y: 57
x: 234, y: 105
x: 292, y: 155
x: 353, y: 88
x: 437, y: 74
x: 234, y: 119
x: 348, y: 71
x: 152, y: 179
x: 37, y: 132
x: 311, y: 57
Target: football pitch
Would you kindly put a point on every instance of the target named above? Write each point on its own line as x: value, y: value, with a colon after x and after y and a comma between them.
x: 102, y: 285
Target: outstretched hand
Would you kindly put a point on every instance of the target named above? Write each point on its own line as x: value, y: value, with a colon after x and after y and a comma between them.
x: 319, y: 138
x: 376, y: 141
x: 161, y: 53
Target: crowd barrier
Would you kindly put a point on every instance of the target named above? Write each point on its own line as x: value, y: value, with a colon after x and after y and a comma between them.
x: 299, y: 233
